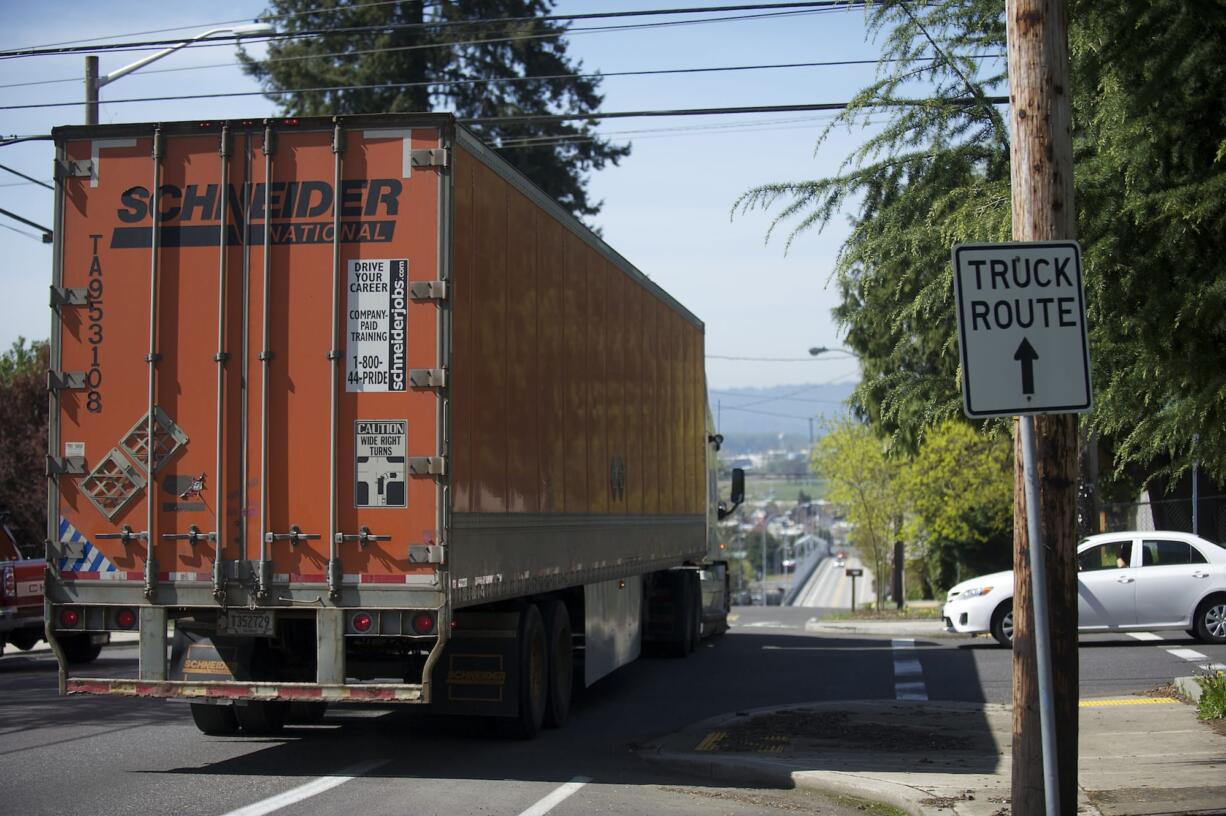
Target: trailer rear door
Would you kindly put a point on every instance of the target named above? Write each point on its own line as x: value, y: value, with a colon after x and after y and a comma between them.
x: 267, y: 337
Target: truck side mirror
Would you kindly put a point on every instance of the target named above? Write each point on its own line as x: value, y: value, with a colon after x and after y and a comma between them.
x: 738, y: 494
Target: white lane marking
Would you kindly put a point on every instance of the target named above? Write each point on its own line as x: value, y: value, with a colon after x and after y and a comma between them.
x: 556, y: 798
x: 1188, y: 654
x: 1193, y: 656
x: 295, y: 795
x: 908, y: 674
x: 1144, y: 636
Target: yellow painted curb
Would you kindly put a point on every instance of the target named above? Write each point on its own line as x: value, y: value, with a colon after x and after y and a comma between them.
x: 710, y: 741
x: 1123, y: 701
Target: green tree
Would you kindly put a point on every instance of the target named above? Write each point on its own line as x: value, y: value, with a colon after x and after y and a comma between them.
x: 395, y: 57
x: 1150, y: 104
x: 932, y: 175
x: 23, y: 440
x: 1149, y: 107
x: 866, y: 486
x: 959, y: 493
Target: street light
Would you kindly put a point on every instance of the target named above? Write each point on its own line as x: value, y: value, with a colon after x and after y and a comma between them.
x: 93, y: 82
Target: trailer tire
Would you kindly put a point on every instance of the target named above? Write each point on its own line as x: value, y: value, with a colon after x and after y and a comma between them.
x: 262, y: 717
x: 532, y: 671
x: 214, y: 720
x: 304, y: 713
x: 561, y: 664
x: 78, y: 649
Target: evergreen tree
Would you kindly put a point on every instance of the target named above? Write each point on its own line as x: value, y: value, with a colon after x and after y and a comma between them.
x: 476, y: 58
x: 1149, y: 111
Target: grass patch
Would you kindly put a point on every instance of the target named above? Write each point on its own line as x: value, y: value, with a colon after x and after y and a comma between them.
x: 1212, y: 703
x: 868, y: 806
x: 889, y: 613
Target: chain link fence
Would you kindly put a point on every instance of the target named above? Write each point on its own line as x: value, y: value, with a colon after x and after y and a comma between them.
x: 1167, y: 514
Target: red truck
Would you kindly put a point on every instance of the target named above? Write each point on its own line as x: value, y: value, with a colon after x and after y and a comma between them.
x: 363, y: 416
x: 21, y: 605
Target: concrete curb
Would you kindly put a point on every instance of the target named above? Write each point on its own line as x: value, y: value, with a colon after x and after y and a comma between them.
x: 755, y: 771
x: 1189, y: 688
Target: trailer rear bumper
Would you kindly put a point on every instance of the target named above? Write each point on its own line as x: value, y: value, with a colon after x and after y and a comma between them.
x: 201, y: 690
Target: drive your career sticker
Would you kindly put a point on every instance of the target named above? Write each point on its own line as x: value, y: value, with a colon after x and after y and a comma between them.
x: 376, y: 331
x: 379, y: 477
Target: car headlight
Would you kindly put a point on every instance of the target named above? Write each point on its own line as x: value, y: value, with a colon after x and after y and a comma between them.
x: 973, y: 592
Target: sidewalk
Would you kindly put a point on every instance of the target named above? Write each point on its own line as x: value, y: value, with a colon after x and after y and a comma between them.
x: 919, y: 627
x: 1137, y: 755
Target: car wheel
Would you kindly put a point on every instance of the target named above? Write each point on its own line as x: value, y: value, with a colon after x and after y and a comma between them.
x: 1002, y: 624
x: 24, y: 639
x: 1211, y: 620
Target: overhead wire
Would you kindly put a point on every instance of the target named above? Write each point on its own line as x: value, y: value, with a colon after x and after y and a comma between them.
x: 448, y: 83
x: 809, y: 6
x: 215, y: 23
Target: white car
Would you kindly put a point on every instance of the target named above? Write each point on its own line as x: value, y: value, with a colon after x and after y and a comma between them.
x: 1126, y: 582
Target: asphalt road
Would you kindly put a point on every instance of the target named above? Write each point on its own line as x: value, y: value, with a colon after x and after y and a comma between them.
x: 112, y: 756
x: 829, y: 587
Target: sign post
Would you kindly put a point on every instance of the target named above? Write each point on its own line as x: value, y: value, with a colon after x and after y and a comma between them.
x: 1022, y: 336
x: 853, y: 573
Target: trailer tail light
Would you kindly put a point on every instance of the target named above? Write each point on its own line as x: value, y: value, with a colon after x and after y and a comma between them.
x: 423, y: 623
x: 125, y: 619
x: 9, y: 587
x: 361, y: 622
x: 69, y: 618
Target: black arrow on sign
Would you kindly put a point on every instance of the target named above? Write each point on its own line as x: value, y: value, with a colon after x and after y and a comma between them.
x: 1026, y: 355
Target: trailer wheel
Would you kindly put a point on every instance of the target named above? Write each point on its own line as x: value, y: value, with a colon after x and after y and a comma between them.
x: 532, y: 673
x: 561, y: 664
x: 262, y: 717
x: 304, y: 713
x: 78, y: 649
x: 214, y: 720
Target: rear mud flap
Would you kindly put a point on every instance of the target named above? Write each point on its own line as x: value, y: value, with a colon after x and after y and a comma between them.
x: 478, y: 673
x: 201, y: 655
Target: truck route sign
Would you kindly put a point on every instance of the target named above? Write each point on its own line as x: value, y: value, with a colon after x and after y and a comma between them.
x: 1022, y: 328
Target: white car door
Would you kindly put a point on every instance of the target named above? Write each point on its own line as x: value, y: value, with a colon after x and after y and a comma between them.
x: 1172, y: 577
x: 1106, y: 591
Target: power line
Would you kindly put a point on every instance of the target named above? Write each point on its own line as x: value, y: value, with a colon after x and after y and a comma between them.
x: 46, y: 232
x: 29, y: 235
x: 215, y: 23
x: 27, y: 178
x: 811, y: 5
x: 765, y: 359
x: 448, y: 83
x: 821, y: 106
x: 763, y: 413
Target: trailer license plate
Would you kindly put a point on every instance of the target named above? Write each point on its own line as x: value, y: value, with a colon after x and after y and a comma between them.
x: 237, y: 622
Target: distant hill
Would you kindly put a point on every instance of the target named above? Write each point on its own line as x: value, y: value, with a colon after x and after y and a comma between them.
x: 755, y: 419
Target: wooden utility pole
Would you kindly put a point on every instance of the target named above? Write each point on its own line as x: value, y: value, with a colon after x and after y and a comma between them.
x: 1043, y: 209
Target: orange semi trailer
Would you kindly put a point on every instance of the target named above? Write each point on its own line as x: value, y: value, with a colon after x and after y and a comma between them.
x: 347, y: 410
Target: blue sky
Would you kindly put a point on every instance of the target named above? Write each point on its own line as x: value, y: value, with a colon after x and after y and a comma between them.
x: 666, y: 207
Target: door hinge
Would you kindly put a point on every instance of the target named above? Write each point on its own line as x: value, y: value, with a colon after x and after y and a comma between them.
x: 65, y: 466
x: 428, y: 290
x: 427, y: 466
x: 436, y: 157
x: 65, y: 380
x: 64, y: 296
x: 428, y: 377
